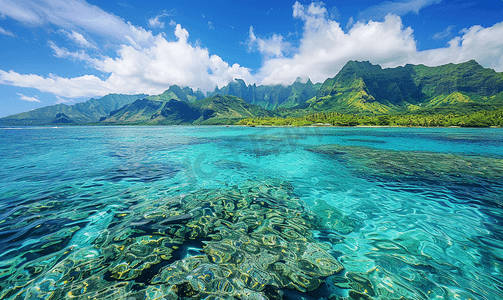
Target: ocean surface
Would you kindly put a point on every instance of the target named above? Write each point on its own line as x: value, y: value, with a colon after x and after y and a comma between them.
x: 251, y: 213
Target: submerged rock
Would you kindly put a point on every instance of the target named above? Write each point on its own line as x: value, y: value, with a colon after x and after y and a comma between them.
x: 415, y: 164
x: 252, y: 241
x: 260, y: 238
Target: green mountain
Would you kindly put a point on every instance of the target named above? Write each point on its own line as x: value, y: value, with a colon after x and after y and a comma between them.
x: 213, y: 110
x: 81, y: 113
x: 229, y: 109
x: 271, y: 96
x: 361, y: 87
x: 93, y: 110
x: 182, y: 94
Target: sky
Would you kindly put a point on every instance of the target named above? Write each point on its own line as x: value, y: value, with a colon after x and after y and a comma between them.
x: 68, y: 51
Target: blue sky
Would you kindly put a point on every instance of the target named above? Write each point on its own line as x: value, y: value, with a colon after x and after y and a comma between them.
x: 67, y: 51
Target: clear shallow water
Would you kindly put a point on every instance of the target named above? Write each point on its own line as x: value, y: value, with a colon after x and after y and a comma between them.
x: 331, y: 213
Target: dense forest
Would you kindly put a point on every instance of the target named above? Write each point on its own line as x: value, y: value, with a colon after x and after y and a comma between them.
x: 477, y: 119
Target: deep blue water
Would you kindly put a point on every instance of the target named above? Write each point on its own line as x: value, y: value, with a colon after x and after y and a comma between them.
x: 105, y: 213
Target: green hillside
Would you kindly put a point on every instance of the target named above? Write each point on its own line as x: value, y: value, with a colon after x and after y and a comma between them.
x: 175, y: 92
x: 81, y: 113
x: 476, y: 119
x: 213, y: 110
x: 154, y: 112
x: 271, y: 96
x: 228, y: 110
x: 361, y: 87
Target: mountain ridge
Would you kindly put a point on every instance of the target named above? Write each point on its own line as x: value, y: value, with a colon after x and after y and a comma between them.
x: 89, y: 111
x: 271, y: 96
x: 217, y: 109
x: 358, y: 88
x: 364, y: 87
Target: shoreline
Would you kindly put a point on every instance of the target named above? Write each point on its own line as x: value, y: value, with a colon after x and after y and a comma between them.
x: 233, y: 125
x: 360, y: 126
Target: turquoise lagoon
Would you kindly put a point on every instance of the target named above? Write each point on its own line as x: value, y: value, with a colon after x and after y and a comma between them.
x: 251, y: 213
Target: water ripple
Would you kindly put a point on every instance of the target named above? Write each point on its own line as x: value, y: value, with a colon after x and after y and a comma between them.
x: 418, y: 215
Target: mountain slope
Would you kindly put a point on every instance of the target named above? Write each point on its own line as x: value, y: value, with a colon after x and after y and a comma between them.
x: 228, y: 109
x: 175, y: 92
x: 213, y: 110
x: 271, y: 96
x: 154, y: 112
x: 364, y: 87
x: 86, y: 112
x: 359, y: 88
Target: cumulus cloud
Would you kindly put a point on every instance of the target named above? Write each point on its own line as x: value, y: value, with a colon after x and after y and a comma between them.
x: 398, y: 8
x: 137, y: 70
x: 210, y: 25
x: 147, y: 63
x: 476, y: 42
x: 176, y: 62
x: 325, y: 47
x: 275, y: 46
x: 6, y: 32
x: 444, y: 33
x: 27, y: 98
x: 143, y: 62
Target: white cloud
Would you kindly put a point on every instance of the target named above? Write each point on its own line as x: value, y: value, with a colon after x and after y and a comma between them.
x: 350, y: 23
x: 476, y: 42
x: 65, y: 53
x: 275, y: 46
x: 125, y: 5
x: 74, y: 15
x: 77, y: 38
x: 334, y: 13
x: 61, y: 100
x: 156, y: 22
x: 27, y: 98
x: 398, y: 8
x: 444, y: 33
x: 137, y: 70
x: 143, y: 63
x: 167, y: 63
x: 210, y: 25
x: 84, y: 86
x: 6, y: 32
x: 325, y: 47
x: 313, y: 16
x: 147, y: 63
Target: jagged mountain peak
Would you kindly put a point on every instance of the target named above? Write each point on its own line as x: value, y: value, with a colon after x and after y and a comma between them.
x: 365, y: 87
x: 270, y: 96
x: 360, y: 87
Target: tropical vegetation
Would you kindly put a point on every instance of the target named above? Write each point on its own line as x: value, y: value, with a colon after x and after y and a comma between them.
x: 362, y: 93
x: 477, y: 119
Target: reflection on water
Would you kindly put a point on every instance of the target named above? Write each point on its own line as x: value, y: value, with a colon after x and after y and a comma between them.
x: 250, y: 213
